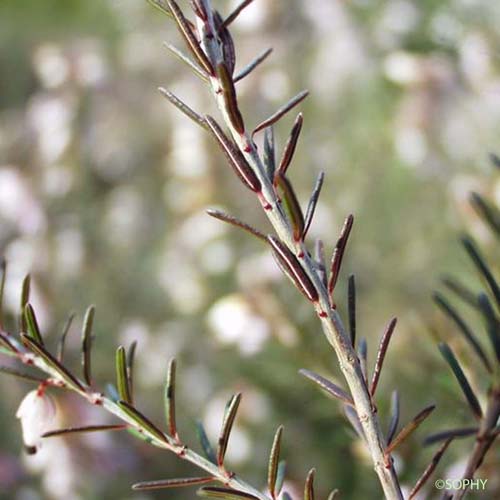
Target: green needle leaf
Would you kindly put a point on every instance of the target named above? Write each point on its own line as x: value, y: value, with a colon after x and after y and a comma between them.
x: 61, y: 371
x: 471, y: 398
x: 329, y: 387
x: 409, y: 428
x: 170, y: 399
x: 32, y: 324
x: 85, y: 429
x: 20, y: 374
x: 309, y: 487
x: 171, y: 483
x: 272, y: 470
x: 88, y: 322
x: 482, y: 266
x: 62, y: 339
x: 227, y: 425
x: 225, y: 493
x: 205, y: 443
x: 492, y: 323
x: 393, y: 424
x: 130, y: 367
x: 142, y: 421
x: 25, y: 297
x: 451, y: 433
x: 280, y: 478
x: 463, y: 327
x: 121, y: 375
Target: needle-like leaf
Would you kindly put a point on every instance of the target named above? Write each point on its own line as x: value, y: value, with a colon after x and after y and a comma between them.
x: 225, y: 37
x: 130, y: 368
x: 394, y: 422
x: 52, y: 362
x: 225, y: 493
x: 185, y: 59
x: 252, y: 65
x: 62, y: 338
x: 85, y: 429
x: 450, y: 433
x: 382, y: 350
x: 429, y: 469
x: 236, y: 12
x: 218, y: 214
x: 7, y: 343
x: 293, y: 269
x: 161, y: 6
x: 25, y: 297
x: 319, y: 256
x: 280, y: 477
x: 121, y: 375
x: 145, y: 425
x: 236, y: 159
x: 483, y: 268
x: 269, y: 152
x: 461, y: 291
x: 32, y: 324
x: 292, y: 205
x: 463, y: 327
x: 87, y: 337
x: 290, y: 147
x: 489, y: 213
x: 329, y: 387
x: 19, y: 374
x: 272, y: 469
x: 170, y: 399
x: 171, y: 483
x: 182, y: 106
x: 333, y: 495
x: 338, y: 253
x: 363, y: 356
x: 313, y: 201
x: 229, y: 95
x: 409, y: 428
x: 309, y: 486
x: 188, y: 35
x: 281, y: 111
x: 492, y: 323
x: 205, y: 443
x: 452, y: 361
x: 351, y: 306
x: 352, y: 416
x: 227, y: 425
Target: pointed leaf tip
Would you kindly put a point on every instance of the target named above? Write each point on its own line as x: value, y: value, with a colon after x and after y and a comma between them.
x: 227, y: 425
x: 272, y: 470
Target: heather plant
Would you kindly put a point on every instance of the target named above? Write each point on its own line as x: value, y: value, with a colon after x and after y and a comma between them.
x: 486, y: 303
x: 252, y: 154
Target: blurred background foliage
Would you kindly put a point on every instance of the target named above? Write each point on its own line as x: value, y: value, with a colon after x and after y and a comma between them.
x: 103, y: 188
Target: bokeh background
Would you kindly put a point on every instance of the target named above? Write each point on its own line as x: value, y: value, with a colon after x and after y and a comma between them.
x: 103, y: 187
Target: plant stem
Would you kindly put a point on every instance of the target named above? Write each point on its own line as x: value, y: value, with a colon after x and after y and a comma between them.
x: 484, y: 438
x: 181, y: 450
x: 331, y: 322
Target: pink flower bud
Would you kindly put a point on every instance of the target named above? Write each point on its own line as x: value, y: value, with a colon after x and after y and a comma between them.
x: 37, y: 413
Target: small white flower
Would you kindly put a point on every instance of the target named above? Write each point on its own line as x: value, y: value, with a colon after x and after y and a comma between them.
x: 37, y: 413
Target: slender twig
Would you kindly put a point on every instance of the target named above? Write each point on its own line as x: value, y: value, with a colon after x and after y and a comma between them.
x: 331, y: 322
x: 153, y: 436
x: 484, y: 438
